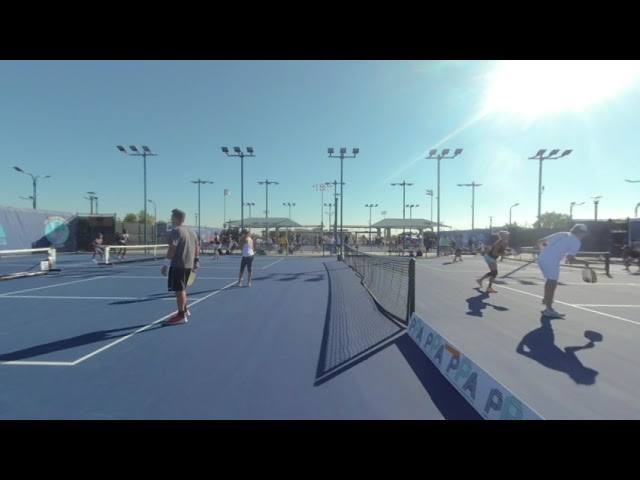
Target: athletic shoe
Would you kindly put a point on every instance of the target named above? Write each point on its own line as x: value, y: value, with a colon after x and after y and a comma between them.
x: 551, y: 313
x: 177, y: 319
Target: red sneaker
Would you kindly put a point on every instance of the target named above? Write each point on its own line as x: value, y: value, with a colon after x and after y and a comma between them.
x: 177, y: 319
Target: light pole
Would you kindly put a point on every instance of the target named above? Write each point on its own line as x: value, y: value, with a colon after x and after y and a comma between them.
x: 596, y: 201
x: 335, y: 209
x: 30, y: 198
x: 342, y: 156
x: 430, y: 194
x: 241, y: 154
x: 404, y: 186
x: 34, y: 180
x: 490, y: 225
x: 200, y: 182
x: 266, y: 184
x: 330, y: 205
x: 573, y: 204
x: 511, y: 208
x: 155, y: 222
x: 637, y: 205
x: 540, y: 156
x: 370, y: 206
x: 91, y: 198
x: 224, y: 213
x: 410, y: 207
x: 473, y: 186
x: 289, y: 204
x: 250, y: 205
x: 439, y: 156
x: 321, y: 187
x: 384, y: 214
x: 146, y: 152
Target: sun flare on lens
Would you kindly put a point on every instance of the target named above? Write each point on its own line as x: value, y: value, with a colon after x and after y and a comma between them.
x: 534, y: 88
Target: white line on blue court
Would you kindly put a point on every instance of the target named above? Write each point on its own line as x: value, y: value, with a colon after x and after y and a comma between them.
x: 61, y: 297
x: 574, y: 306
x: 51, y: 286
x: 49, y: 364
x: 165, y: 278
x: 271, y: 264
x: 191, y: 304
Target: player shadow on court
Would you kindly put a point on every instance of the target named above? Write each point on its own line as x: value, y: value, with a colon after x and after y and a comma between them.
x: 539, y: 345
x: 477, y: 304
x: 72, y: 342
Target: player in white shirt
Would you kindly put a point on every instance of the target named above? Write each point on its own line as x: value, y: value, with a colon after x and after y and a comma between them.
x: 247, y: 256
x: 552, y: 250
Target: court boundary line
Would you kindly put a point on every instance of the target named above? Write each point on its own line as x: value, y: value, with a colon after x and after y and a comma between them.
x: 52, y: 286
x: 112, y: 344
x: 574, y: 306
x: 273, y: 263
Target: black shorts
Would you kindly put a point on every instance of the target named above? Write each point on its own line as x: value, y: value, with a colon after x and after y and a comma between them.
x: 246, y: 262
x: 177, y: 279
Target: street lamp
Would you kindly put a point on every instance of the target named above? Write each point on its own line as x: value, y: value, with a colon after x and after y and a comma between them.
x: 334, y: 184
x: 146, y: 152
x: 289, y: 204
x: 430, y: 194
x: 384, y: 214
x: 410, y: 207
x: 404, y: 186
x: 370, y: 206
x: 573, y: 204
x: 30, y: 198
x: 266, y: 184
x: 34, y: 180
x: 155, y: 222
x: 200, y: 182
x: 511, y: 208
x: 473, y: 186
x: 224, y: 213
x: 91, y: 198
x: 342, y: 156
x: 540, y: 156
x: 433, y: 153
x: 241, y: 154
x: 596, y: 201
x: 250, y: 205
x: 321, y: 187
x: 330, y: 205
x: 490, y: 225
x: 637, y: 205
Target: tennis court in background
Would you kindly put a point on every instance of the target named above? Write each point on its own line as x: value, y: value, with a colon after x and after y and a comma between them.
x: 306, y: 341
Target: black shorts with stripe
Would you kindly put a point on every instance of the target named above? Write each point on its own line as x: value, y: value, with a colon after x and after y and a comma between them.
x: 177, y: 279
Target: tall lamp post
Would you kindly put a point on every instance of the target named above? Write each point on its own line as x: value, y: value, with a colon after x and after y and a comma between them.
x: 266, y: 184
x: 410, y: 207
x: 404, y: 186
x: 224, y: 213
x: 473, y: 186
x: 91, y: 198
x: 636, y: 211
x: 596, y: 201
x: 573, y: 204
x: 249, y: 204
x: 430, y: 194
x: 342, y: 156
x: 433, y: 154
x: 289, y: 204
x: 155, y: 222
x: 370, y: 206
x: 321, y: 187
x: 540, y: 156
x: 241, y: 154
x: 146, y: 152
x: 510, y: 209
x: 200, y: 182
x: 34, y: 181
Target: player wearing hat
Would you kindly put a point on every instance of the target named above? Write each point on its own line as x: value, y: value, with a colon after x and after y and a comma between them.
x: 491, y: 257
x: 552, y: 250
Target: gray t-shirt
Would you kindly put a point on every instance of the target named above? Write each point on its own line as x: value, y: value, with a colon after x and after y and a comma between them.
x: 185, y: 242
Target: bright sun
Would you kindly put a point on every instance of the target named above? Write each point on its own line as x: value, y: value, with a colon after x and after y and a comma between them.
x: 533, y: 88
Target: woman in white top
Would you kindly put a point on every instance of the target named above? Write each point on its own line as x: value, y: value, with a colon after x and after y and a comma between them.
x: 246, y: 243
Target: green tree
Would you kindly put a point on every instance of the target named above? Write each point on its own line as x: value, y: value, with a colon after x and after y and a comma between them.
x: 552, y: 220
x: 150, y: 218
x: 130, y: 218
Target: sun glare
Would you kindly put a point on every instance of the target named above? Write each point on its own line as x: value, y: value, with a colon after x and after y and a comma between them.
x: 533, y: 88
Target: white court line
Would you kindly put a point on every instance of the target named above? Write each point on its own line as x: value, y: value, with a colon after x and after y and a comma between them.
x: 94, y: 353
x: 51, y: 286
x: 575, y: 306
x: 613, y: 306
x: 158, y: 277
x: 264, y: 268
x: 34, y: 362
x: 55, y: 297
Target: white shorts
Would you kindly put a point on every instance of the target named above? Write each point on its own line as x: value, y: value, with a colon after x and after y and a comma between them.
x: 550, y: 269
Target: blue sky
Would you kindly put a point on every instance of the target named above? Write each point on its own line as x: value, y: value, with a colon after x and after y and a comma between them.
x: 65, y: 118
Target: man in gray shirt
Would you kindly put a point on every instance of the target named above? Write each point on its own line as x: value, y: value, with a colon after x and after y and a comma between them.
x: 182, y: 257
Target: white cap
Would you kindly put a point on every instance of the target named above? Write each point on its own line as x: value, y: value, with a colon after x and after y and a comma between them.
x: 580, y: 227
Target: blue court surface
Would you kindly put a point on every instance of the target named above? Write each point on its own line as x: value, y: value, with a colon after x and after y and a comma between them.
x: 306, y: 341
x: 585, y: 366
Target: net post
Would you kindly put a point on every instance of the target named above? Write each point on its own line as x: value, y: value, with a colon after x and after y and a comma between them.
x: 107, y: 254
x: 607, y: 262
x: 411, y: 304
